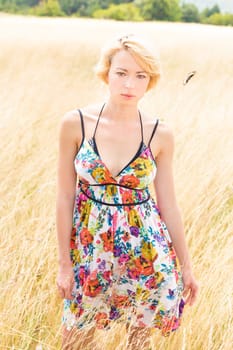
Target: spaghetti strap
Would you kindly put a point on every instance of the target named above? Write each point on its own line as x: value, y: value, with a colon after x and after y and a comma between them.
x: 97, y: 123
x: 153, y: 131
x: 82, y: 125
x: 140, y: 117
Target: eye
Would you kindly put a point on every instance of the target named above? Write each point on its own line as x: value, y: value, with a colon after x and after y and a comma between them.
x: 141, y: 76
x: 121, y: 74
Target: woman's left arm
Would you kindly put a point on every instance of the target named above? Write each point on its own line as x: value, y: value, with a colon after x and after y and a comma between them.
x: 169, y: 210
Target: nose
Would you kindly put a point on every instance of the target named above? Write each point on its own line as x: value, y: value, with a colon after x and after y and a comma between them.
x: 129, y: 82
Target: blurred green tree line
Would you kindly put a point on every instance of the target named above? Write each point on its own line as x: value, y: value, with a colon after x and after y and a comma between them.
x: 122, y: 10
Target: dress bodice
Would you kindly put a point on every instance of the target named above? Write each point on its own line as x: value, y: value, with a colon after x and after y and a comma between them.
x: 129, y: 186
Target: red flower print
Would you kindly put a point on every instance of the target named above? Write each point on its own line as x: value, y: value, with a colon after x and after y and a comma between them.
x: 101, y: 316
x: 126, y: 236
x: 107, y: 238
x: 152, y: 307
x: 73, y: 245
x: 126, y: 196
x: 92, y: 286
x: 120, y: 300
x: 107, y: 275
x: 108, y: 177
x: 144, y: 266
x: 134, y: 273
x: 129, y: 180
x: 139, y: 266
x: 101, y: 320
x: 86, y: 237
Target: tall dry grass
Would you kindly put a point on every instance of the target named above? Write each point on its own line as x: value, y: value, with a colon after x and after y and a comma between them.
x: 45, y: 70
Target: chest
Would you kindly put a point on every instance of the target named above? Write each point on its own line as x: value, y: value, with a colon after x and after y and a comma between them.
x: 117, y: 147
x: 139, y: 172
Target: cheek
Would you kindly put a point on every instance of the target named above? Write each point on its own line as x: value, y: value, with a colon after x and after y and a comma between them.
x: 143, y: 86
x: 111, y: 77
x: 114, y: 82
x: 147, y: 82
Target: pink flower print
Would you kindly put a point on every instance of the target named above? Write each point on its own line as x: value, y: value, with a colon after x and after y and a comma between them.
x: 151, y: 283
x: 123, y: 259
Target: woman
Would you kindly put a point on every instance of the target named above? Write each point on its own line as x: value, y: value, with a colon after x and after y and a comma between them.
x: 122, y: 256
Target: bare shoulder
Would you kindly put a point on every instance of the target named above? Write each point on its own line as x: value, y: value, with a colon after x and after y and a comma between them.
x: 88, y: 112
x: 92, y: 111
x: 70, y: 118
x: 71, y: 121
x: 163, y: 139
x: 90, y: 116
x: 163, y: 128
x: 70, y: 126
x: 165, y: 132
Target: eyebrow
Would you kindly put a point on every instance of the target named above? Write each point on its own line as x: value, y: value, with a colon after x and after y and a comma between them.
x: 126, y: 70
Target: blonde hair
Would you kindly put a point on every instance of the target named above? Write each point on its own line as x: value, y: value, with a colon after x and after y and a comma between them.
x: 140, y: 51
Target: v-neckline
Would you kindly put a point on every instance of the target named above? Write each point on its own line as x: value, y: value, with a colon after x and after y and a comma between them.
x: 92, y: 142
x: 95, y: 147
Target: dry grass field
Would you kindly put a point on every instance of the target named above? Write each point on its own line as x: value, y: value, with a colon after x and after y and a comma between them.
x: 46, y: 69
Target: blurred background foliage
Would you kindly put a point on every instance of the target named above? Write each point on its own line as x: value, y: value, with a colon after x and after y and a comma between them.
x: 126, y: 10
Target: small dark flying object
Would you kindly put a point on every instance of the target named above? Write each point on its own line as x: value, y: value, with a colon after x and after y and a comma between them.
x: 189, y: 76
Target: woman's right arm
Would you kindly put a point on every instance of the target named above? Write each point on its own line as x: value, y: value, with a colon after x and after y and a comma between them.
x: 66, y: 185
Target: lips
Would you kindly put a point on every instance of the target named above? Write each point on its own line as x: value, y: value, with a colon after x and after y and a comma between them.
x: 127, y: 95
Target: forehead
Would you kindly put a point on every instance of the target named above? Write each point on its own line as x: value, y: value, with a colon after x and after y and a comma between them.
x: 123, y: 59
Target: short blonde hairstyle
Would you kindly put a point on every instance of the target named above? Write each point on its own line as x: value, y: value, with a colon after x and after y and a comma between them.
x: 140, y: 51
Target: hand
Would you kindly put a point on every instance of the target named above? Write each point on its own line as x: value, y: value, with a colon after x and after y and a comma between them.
x: 190, y: 287
x: 65, y: 281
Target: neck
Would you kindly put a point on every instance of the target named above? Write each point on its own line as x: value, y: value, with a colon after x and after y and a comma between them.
x: 117, y: 111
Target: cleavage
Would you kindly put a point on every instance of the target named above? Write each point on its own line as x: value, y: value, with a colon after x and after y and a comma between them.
x: 119, y: 153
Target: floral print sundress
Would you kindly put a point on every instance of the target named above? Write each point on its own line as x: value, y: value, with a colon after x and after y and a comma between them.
x: 125, y: 266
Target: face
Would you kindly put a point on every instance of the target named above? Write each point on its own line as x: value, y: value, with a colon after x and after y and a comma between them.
x: 127, y: 80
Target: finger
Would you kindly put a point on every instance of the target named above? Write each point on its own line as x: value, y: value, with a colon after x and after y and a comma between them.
x: 186, y: 296
x: 61, y: 292
x: 65, y: 287
x: 187, y: 293
x: 188, y: 299
x: 68, y: 291
x: 62, y: 288
x: 72, y: 289
x: 194, y: 295
x: 191, y: 299
x: 186, y: 290
x: 69, y: 295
